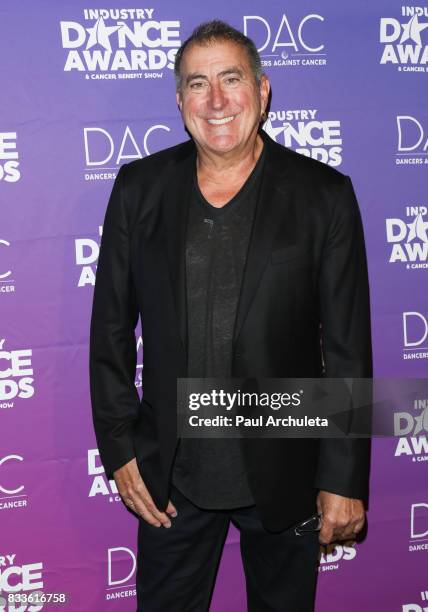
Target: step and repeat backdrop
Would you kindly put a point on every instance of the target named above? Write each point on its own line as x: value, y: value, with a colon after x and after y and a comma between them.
x: 86, y: 87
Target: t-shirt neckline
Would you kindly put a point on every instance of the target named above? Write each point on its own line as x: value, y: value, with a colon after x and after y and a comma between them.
x: 239, y: 196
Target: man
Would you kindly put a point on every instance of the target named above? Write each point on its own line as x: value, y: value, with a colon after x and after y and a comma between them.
x: 234, y: 250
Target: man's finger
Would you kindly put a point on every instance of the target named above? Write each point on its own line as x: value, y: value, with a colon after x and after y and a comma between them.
x: 350, y: 530
x: 344, y: 534
x: 325, y: 539
x: 139, y: 508
x: 171, y: 509
x: 359, y: 525
x: 161, y: 516
x: 132, y: 488
x: 144, y: 497
x: 148, y: 517
x: 326, y: 534
x: 138, y: 499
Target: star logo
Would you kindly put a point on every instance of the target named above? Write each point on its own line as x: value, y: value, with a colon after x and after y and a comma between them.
x: 100, y: 34
x: 412, y: 30
x: 421, y: 422
x: 273, y: 131
x: 417, y: 229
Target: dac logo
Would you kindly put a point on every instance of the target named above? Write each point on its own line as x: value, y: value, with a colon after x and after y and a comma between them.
x: 122, y: 564
x: 413, y: 607
x: 303, y: 131
x: 418, y: 527
x: 415, y: 332
x: 6, y: 282
x: 287, y: 42
x: 16, y: 375
x: 105, y: 150
x: 9, y: 164
x: 412, y: 424
x: 409, y: 239
x: 100, y: 485
x: 21, y: 579
x: 403, y: 40
x: 411, y: 145
x: 120, y: 44
x: 10, y: 488
x: 86, y: 252
x: 333, y: 553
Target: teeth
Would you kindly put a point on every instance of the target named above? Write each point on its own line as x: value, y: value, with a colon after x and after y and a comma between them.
x: 221, y: 121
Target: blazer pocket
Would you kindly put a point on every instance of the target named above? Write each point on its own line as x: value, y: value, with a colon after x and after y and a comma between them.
x: 295, y: 256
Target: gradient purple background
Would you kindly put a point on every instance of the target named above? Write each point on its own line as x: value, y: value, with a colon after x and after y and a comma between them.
x: 52, y: 206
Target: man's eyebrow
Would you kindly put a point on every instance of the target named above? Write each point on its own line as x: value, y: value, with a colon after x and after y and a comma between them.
x: 232, y: 70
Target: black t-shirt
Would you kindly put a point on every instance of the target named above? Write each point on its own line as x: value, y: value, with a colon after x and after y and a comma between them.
x: 211, y: 472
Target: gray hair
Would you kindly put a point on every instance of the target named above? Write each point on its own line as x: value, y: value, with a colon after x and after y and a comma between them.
x: 215, y: 30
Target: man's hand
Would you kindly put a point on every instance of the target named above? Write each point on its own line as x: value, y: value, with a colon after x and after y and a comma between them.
x: 135, y: 495
x: 342, y: 517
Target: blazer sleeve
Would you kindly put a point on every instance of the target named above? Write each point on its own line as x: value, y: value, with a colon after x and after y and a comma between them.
x: 343, y: 466
x: 113, y: 353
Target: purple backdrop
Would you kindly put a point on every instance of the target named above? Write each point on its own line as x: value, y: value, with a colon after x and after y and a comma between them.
x: 84, y: 90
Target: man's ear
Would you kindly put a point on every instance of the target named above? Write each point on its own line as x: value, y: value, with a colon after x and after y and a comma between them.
x: 264, y: 90
x: 178, y: 98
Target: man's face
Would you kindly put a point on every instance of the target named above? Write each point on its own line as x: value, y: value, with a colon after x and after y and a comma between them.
x: 219, y: 98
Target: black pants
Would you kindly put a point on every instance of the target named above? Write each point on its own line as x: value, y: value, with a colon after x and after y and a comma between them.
x: 176, y: 567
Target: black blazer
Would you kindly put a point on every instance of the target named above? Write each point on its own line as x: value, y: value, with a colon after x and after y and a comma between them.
x: 306, y: 266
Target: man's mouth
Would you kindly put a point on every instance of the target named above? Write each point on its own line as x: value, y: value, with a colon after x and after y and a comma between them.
x: 221, y: 121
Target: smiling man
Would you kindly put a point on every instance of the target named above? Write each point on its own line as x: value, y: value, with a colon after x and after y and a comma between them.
x: 243, y: 259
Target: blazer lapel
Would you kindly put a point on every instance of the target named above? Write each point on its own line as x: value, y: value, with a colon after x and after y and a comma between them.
x: 273, y: 198
x: 175, y: 205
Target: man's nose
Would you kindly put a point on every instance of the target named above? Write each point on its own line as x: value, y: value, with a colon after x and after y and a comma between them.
x: 217, y: 97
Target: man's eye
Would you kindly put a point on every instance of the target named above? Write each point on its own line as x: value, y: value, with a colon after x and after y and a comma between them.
x: 197, y: 85
x: 232, y: 80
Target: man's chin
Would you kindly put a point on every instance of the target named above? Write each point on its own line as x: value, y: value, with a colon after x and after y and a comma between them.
x: 221, y: 144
